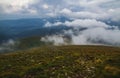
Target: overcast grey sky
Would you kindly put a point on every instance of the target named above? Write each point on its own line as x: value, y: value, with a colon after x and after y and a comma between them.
x: 93, y: 9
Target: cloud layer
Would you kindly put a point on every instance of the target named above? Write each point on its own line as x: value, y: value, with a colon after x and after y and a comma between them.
x: 84, y: 32
x: 94, y: 9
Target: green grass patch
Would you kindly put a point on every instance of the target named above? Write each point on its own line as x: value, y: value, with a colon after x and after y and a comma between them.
x: 62, y: 62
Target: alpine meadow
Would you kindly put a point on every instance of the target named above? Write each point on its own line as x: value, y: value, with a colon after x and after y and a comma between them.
x: 60, y: 39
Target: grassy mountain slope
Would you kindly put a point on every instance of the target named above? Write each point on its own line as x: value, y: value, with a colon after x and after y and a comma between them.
x: 62, y: 62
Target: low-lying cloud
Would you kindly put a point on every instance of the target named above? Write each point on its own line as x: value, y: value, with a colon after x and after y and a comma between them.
x: 94, y: 32
x: 83, y: 23
x: 8, y: 46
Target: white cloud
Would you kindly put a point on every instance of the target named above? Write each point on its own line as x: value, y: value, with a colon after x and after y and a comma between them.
x: 84, y: 14
x: 97, y: 32
x: 102, y: 34
x: 83, y: 23
x: 114, y: 14
x: 16, y: 6
x: 65, y: 11
x: 32, y: 11
x: 95, y: 9
x: 56, y: 39
x: 89, y: 36
x: 45, y: 6
x: 48, y: 24
x: 89, y: 9
x: 8, y: 46
x: 86, y: 23
x: 79, y: 40
x: 16, y: 2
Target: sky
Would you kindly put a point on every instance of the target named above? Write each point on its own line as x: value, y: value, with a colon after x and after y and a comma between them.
x: 91, y: 9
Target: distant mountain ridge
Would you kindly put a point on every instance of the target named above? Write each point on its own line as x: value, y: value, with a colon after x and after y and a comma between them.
x: 35, y: 26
